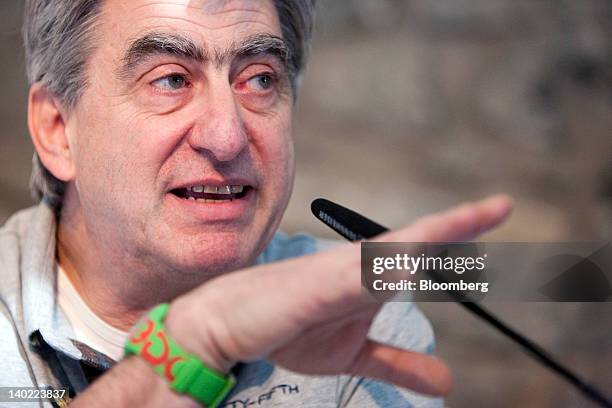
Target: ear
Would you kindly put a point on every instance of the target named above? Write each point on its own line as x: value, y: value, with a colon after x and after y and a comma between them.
x: 46, y: 122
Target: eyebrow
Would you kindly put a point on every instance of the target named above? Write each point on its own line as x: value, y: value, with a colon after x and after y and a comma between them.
x: 161, y: 43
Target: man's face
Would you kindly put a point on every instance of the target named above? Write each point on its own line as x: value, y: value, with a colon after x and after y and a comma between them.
x: 183, y: 147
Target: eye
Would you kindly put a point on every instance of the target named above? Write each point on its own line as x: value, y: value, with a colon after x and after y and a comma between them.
x: 171, y: 82
x: 261, y: 82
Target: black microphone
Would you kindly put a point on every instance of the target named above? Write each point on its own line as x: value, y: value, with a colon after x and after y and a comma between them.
x: 355, y: 227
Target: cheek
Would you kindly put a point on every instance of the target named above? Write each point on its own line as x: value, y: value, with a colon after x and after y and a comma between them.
x: 156, y: 138
x: 274, y: 144
x: 121, y: 152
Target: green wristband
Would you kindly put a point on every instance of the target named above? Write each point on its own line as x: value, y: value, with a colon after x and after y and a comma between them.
x: 185, y: 373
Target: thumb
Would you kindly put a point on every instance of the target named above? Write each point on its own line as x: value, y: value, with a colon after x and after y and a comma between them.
x: 416, y: 371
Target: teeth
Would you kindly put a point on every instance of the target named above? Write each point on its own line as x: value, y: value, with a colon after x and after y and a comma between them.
x: 209, y: 200
x: 218, y: 190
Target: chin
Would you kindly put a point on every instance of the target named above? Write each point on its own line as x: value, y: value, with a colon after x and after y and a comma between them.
x: 211, y: 257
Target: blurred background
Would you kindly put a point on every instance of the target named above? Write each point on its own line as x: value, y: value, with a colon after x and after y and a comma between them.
x: 410, y: 106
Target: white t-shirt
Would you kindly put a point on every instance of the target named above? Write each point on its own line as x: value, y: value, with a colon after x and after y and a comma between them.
x: 87, y: 326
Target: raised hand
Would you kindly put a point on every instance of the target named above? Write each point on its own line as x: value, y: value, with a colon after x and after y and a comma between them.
x: 307, y: 314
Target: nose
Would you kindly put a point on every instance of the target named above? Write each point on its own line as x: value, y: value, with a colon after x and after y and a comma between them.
x: 220, y: 129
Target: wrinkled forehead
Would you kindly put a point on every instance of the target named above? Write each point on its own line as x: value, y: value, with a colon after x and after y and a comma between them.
x: 212, y: 23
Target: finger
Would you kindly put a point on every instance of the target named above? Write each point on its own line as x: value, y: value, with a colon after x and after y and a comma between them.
x: 461, y: 223
x: 419, y: 372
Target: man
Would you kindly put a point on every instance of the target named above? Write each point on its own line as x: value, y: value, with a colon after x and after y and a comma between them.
x: 165, y: 162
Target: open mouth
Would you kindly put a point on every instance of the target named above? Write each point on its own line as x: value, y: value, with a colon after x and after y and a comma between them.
x: 212, y: 194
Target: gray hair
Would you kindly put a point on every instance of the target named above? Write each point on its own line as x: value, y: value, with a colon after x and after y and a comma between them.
x: 58, y: 38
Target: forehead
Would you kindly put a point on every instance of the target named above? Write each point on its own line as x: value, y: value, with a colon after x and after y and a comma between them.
x: 212, y: 23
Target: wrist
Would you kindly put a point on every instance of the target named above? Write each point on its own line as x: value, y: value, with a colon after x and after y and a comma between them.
x: 183, y: 370
x: 158, y: 393
x: 194, y: 337
x: 133, y: 384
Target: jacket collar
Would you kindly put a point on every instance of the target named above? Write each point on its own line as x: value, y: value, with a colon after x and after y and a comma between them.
x: 41, y: 311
